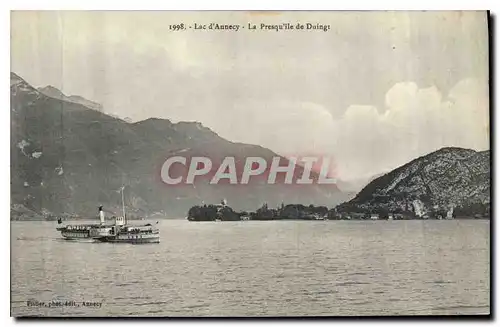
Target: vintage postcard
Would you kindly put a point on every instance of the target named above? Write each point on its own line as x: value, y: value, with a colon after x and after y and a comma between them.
x: 250, y: 163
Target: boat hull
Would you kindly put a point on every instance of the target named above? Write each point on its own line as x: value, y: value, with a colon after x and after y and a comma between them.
x: 75, y: 235
x: 113, y: 239
x: 132, y: 238
x: 101, y: 233
x: 148, y: 240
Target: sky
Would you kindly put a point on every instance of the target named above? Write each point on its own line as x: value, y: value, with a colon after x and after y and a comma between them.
x: 375, y: 91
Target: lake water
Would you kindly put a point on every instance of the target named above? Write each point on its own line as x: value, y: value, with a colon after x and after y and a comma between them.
x: 252, y: 268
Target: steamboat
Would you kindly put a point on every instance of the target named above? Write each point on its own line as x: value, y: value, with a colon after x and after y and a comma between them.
x: 118, y: 231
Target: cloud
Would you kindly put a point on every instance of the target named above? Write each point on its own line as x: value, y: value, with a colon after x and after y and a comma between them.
x: 416, y: 121
x: 367, y: 140
x: 291, y: 128
x: 362, y: 55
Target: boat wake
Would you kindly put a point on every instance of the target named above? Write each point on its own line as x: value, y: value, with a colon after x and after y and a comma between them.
x: 80, y: 240
x: 39, y: 238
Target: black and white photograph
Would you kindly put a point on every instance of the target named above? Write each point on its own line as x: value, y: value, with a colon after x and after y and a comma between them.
x: 250, y: 164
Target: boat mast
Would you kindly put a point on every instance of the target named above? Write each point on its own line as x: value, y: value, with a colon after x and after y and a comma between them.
x: 123, y: 206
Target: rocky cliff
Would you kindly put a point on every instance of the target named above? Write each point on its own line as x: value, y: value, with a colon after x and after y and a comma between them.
x: 448, y: 178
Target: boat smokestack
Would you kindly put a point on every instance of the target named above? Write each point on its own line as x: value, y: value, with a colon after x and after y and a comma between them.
x: 101, y: 215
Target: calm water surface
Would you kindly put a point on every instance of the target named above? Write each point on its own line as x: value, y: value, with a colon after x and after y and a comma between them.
x: 250, y: 268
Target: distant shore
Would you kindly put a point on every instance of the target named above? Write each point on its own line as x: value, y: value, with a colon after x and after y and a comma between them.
x: 311, y: 220
x: 279, y: 219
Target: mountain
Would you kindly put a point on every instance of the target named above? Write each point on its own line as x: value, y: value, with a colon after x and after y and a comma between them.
x: 55, y: 93
x: 448, y: 178
x: 357, y: 184
x: 68, y: 158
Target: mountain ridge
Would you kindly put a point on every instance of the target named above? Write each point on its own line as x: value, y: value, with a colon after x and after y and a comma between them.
x: 55, y: 93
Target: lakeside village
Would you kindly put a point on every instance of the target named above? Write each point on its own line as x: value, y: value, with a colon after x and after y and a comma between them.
x: 409, y: 211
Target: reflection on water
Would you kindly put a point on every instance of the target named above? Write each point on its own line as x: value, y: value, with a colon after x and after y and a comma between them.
x: 289, y: 268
